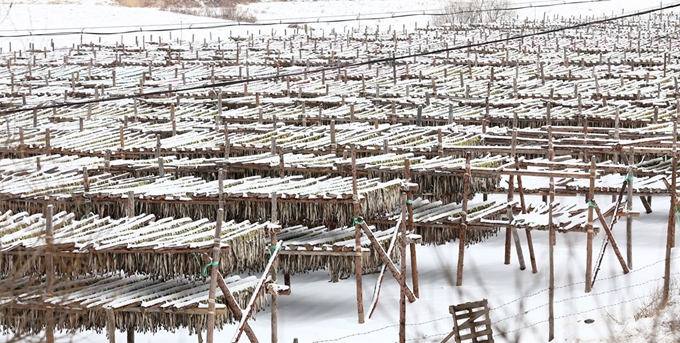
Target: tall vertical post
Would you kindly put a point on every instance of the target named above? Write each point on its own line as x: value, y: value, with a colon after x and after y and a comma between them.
x: 274, y: 274
x: 463, y: 221
x: 213, y: 276
x: 412, y: 246
x: 670, y: 235
x: 589, y: 228
x: 551, y: 254
x: 357, y: 238
x: 629, y: 219
x: 402, y: 288
x: 49, y: 274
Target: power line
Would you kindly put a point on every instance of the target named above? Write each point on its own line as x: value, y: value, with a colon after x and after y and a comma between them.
x: 356, y: 64
x: 271, y: 22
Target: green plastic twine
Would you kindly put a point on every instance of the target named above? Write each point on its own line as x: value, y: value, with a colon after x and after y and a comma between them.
x: 591, y: 204
x: 629, y: 178
x: 409, y: 201
x: 665, y: 157
x: 358, y: 222
x: 211, y: 264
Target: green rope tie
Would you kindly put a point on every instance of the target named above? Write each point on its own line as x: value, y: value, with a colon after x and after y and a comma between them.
x: 207, y: 265
x: 665, y: 157
x: 409, y: 201
x: 677, y: 210
x: 591, y: 204
x: 358, y: 222
x: 629, y: 178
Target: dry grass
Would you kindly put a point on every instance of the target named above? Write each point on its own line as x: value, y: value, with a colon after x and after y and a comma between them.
x: 222, y: 9
x: 650, y: 307
x: 474, y: 11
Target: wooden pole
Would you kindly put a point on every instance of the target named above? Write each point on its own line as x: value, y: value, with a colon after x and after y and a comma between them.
x: 386, y: 260
x: 357, y: 232
x: 130, y: 334
x: 209, y: 337
x: 111, y: 325
x: 231, y: 302
x: 670, y: 236
x: 530, y: 242
x: 463, y: 220
x: 258, y: 288
x: 131, y: 204
x: 274, y: 274
x: 402, y: 288
x: 589, y: 228
x: 551, y: 262
x: 610, y: 236
x: 629, y: 219
x: 412, y: 246
x: 49, y: 274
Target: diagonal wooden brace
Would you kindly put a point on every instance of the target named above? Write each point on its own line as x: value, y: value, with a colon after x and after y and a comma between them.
x: 232, y: 304
x: 258, y: 288
x: 388, y: 262
x: 610, y: 236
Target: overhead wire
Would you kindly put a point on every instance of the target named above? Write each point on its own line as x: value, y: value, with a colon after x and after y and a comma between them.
x: 355, y: 64
x: 272, y: 22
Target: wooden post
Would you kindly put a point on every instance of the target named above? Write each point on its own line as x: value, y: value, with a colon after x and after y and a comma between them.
x: 463, y: 220
x: 357, y: 231
x: 629, y: 219
x: 49, y: 274
x: 47, y: 141
x: 551, y: 262
x: 111, y: 325
x: 412, y: 246
x: 130, y: 334
x: 589, y: 228
x: 220, y: 188
x: 274, y: 273
x: 402, y: 288
x: 231, y: 302
x: 131, y: 204
x: 670, y: 235
x: 213, y: 276
x: 161, y: 168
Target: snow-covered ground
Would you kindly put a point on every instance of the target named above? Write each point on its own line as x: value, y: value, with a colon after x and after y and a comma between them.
x: 319, y: 311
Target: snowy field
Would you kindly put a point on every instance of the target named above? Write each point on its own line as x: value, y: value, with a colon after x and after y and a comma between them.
x: 319, y: 311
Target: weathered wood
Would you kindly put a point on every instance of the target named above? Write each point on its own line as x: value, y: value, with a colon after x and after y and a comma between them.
x: 589, y: 228
x: 412, y: 246
x: 670, y: 234
x: 248, y: 311
x: 49, y: 274
x: 386, y: 259
x: 213, y: 277
x: 551, y: 262
x: 402, y: 281
x: 646, y: 204
x: 463, y: 219
x: 629, y: 220
x: 111, y: 325
x: 274, y: 274
x: 515, y: 237
x: 610, y: 237
x: 357, y: 229
x: 231, y: 301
